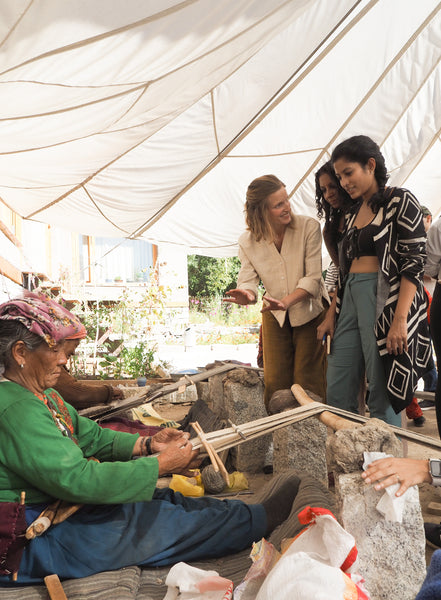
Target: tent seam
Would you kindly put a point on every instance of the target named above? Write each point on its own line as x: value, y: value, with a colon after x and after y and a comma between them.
x: 213, y: 114
x: 16, y: 23
x: 92, y: 40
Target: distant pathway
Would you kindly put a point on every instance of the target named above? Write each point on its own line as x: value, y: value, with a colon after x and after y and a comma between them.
x: 192, y: 357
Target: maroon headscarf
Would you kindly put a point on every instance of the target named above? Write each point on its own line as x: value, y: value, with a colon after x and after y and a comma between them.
x: 44, y: 317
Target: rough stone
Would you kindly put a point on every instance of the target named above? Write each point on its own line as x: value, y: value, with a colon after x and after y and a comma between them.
x: 344, y: 448
x: 203, y: 391
x: 301, y: 446
x: 281, y: 400
x: 391, y: 555
x: 216, y: 395
x: 243, y: 395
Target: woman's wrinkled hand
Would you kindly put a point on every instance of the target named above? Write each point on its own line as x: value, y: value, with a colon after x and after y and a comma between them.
x: 239, y: 296
x: 405, y: 471
x: 396, y: 341
x: 162, y: 439
x: 176, y: 454
x: 270, y: 303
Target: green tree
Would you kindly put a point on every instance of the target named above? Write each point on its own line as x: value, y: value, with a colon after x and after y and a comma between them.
x: 211, y: 277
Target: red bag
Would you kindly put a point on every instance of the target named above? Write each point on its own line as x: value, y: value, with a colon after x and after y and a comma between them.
x: 12, y: 536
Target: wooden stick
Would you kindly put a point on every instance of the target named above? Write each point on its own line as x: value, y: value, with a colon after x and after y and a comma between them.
x: 43, y: 521
x: 325, y: 417
x: 54, y: 587
x: 226, y: 438
x: 65, y: 511
x: 56, y: 513
x: 206, y: 445
x: 215, y: 460
x: 108, y: 411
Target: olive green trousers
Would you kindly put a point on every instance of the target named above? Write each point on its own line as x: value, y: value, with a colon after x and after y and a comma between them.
x: 293, y: 355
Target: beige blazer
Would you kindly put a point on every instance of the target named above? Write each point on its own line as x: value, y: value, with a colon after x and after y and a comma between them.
x: 298, y: 265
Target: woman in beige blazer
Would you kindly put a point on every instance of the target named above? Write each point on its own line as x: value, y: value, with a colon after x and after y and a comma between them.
x: 284, y: 252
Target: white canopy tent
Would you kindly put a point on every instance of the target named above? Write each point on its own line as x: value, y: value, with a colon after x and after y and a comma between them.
x: 149, y: 118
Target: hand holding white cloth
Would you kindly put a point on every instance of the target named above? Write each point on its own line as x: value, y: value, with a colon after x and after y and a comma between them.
x: 389, y: 505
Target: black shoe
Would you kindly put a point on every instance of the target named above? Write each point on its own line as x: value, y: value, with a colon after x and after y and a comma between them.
x: 419, y: 421
x: 433, y: 534
x: 426, y: 404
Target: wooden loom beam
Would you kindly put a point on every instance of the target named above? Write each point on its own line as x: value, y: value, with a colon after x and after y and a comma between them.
x: 228, y: 437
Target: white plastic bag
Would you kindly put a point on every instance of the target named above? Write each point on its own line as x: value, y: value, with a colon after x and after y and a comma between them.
x: 299, y: 576
x: 319, y: 564
x: 189, y: 583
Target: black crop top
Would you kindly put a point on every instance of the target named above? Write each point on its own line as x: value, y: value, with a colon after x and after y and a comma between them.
x: 357, y: 242
x: 365, y: 244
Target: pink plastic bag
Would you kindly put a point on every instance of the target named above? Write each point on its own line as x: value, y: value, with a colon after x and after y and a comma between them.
x: 189, y: 583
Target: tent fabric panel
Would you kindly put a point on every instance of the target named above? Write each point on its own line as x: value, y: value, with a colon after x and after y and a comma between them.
x: 138, y: 118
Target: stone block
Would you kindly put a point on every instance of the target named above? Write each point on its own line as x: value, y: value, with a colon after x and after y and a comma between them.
x: 243, y: 394
x: 345, y: 447
x: 216, y: 395
x: 301, y: 446
x: 391, y: 555
x: 203, y: 392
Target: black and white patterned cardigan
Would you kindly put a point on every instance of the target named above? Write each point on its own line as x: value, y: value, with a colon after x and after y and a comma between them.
x: 400, y: 246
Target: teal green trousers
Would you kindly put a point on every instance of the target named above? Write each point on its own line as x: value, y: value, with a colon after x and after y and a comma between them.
x: 354, y: 349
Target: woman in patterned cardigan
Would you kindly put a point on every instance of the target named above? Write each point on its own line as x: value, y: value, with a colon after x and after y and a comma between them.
x: 378, y: 318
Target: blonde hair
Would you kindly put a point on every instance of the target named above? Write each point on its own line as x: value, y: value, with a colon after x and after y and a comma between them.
x: 256, y: 206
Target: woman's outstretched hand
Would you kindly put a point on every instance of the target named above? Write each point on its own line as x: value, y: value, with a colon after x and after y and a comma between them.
x: 270, y: 303
x: 239, y: 296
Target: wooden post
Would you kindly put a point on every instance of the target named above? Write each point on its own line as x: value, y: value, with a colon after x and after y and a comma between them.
x: 54, y: 587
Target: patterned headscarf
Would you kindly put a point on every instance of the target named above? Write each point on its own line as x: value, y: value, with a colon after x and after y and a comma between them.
x: 44, y: 317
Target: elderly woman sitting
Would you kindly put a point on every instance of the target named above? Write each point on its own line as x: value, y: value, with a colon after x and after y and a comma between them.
x: 45, y: 452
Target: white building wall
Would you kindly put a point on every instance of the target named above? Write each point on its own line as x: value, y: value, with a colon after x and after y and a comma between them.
x: 173, y: 274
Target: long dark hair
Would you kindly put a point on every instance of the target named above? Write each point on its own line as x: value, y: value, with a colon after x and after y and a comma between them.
x: 324, y: 208
x: 360, y: 148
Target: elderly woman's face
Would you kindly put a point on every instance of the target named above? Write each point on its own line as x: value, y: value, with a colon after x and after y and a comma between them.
x: 42, y: 366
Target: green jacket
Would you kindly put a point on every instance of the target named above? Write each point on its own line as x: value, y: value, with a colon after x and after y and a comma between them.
x: 35, y: 457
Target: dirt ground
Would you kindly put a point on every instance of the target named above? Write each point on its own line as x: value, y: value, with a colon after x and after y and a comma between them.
x: 428, y: 493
